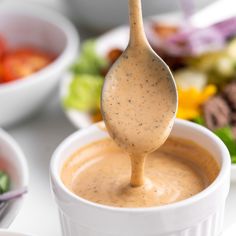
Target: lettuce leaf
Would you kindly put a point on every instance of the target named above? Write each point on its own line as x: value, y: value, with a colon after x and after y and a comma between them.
x: 84, y: 93
x: 199, y: 120
x: 226, y: 135
x: 4, y: 182
x: 89, y: 62
x: 86, y: 85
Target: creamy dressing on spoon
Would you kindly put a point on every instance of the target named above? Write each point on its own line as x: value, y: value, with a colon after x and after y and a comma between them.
x: 139, y: 98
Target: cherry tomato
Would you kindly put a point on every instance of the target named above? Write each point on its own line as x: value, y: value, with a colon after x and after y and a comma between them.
x: 23, y: 62
x: 1, y: 75
x: 2, y: 46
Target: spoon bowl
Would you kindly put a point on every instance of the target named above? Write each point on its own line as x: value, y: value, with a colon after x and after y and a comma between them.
x: 148, y: 103
x: 139, y: 97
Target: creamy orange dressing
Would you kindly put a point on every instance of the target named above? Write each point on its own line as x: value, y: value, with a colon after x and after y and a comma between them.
x: 100, y: 172
x: 139, y: 98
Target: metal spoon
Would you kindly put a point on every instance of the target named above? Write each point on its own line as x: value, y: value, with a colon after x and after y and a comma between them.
x: 139, y: 97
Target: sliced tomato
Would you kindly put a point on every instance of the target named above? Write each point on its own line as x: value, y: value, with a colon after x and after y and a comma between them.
x: 1, y: 75
x: 23, y: 62
x: 2, y: 51
x: 2, y: 46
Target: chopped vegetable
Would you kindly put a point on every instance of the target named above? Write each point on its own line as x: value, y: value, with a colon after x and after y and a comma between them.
x: 86, y: 85
x: 199, y: 120
x: 89, y: 62
x: 20, y: 62
x: 4, y: 182
x: 2, y: 46
x: 84, y: 93
x: 231, y: 49
x: 194, y: 41
x: 23, y: 62
x: 164, y: 31
x: 5, y: 193
x: 226, y: 135
x: 233, y: 159
x: 190, y: 101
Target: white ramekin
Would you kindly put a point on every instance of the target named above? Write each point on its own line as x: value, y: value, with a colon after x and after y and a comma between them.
x: 200, y: 215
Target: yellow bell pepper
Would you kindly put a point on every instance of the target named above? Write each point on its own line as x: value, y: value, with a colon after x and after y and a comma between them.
x: 190, y: 101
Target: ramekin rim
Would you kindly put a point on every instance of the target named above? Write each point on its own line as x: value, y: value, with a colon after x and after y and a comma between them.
x: 13, y: 233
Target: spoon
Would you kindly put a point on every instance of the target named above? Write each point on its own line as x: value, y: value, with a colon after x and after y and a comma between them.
x: 139, y: 97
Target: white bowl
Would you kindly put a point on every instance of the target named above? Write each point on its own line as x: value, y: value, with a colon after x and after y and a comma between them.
x: 9, y: 233
x: 15, y: 165
x: 200, y: 215
x: 25, y: 24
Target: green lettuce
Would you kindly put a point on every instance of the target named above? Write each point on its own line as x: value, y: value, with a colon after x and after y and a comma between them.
x: 226, y: 135
x: 199, y: 120
x: 84, y: 93
x: 89, y: 62
x: 86, y: 85
x: 4, y: 182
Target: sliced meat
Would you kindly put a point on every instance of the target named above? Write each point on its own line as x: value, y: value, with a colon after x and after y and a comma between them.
x: 216, y: 113
x: 229, y: 93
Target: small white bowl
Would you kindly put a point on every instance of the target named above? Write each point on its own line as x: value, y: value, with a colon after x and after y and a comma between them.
x: 10, y: 233
x: 12, y: 160
x: 200, y: 215
x: 25, y: 24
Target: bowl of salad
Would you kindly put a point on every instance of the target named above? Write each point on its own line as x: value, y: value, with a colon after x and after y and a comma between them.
x: 36, y: 46
x: 13, y: 179
x: 203, y: 61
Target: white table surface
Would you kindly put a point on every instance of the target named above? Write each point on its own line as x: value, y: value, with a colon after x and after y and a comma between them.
x: 38, y: 137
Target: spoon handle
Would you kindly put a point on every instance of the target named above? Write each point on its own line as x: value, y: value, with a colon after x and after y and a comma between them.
x: 137, y: 34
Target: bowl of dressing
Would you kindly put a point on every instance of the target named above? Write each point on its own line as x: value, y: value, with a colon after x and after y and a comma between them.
x: 202, y: 211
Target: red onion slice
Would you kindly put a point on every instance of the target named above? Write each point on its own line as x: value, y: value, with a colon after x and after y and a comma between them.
x: 13, y: 194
